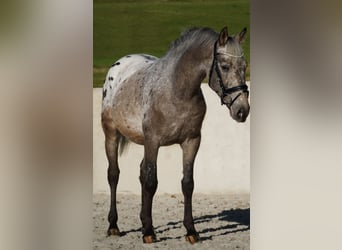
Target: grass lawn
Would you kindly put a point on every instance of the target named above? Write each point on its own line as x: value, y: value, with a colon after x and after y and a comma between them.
x: 127, y: 27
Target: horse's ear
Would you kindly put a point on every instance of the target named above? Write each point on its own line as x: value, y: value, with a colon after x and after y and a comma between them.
x: 241, y: 37
x: 223, y: 37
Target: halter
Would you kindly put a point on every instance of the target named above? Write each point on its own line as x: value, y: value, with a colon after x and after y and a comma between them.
x: 242, y: 87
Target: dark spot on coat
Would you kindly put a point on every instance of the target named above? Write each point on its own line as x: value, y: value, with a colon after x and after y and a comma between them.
x: 104, y: 93
x: 110, y: 86
x: 110, y: 78
x: 128, y: 56
x: 114, y: 64
x: 148, y: 57
x: 146, y: 61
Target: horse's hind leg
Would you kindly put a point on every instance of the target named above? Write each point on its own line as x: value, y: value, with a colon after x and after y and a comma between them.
x: 190, y: 148
x: 113, y: 172
x: 149, y: 183
x: 111, y: 144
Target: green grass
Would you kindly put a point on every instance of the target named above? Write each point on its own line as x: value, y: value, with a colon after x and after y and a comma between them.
x: 126, y: 27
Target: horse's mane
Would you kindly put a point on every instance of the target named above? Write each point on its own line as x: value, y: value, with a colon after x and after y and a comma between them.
x: 194, y: 36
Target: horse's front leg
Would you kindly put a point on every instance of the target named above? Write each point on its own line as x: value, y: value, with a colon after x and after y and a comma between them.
x: 190, y: 148
x: 149, y: 183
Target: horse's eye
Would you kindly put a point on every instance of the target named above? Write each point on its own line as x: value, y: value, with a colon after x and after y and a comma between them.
x: 225, y: 68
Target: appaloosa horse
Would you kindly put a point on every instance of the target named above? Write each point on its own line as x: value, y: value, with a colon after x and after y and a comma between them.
x: 158, y: 102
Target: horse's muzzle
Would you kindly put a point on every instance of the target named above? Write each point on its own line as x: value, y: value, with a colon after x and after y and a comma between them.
x: 241, y: 114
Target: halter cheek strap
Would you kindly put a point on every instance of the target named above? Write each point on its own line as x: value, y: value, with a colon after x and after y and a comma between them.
x: 243, y: 87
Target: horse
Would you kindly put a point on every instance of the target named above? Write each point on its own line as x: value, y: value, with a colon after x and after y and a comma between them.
x: 158, y: 102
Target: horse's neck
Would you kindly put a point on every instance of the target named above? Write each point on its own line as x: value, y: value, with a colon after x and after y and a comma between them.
x: 192, y: 67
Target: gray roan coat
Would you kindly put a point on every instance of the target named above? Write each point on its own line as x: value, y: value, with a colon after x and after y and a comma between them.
x: 158, y: 102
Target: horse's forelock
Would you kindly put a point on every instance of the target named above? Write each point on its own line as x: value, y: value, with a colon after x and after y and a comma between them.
x: 233, y: 46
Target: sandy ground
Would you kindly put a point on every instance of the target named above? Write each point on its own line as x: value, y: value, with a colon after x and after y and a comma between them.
x: 222, y: 221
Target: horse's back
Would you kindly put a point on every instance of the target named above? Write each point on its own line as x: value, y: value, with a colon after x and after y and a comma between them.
x: 119, y: 72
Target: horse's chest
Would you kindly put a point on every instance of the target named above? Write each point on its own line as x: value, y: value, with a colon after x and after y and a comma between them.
x: 182, y: 125
x: 191, y: 124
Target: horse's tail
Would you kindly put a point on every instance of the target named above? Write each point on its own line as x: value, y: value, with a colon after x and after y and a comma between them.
x: 123, y: 143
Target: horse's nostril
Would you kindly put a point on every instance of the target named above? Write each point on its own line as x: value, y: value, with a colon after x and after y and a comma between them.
x: 240, y: 113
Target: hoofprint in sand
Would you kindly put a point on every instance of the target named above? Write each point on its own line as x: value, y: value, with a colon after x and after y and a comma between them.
x: 222, y: 220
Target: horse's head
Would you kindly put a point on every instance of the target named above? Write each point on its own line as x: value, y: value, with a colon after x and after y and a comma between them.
x: 227, y: 74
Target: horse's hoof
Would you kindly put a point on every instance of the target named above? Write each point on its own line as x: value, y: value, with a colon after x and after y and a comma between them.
x: 192, y: 238
x: 113, y: 231
x: 148, y: 239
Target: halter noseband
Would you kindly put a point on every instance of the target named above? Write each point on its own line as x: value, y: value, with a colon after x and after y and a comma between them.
x: 243, y: 87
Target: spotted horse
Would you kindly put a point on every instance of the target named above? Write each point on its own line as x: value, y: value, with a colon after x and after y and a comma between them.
x: 158, y: 102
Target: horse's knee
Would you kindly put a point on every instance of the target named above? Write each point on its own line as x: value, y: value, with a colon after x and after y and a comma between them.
x: 187, y: 184
x: 148, y: 177
x: 152, y: 185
